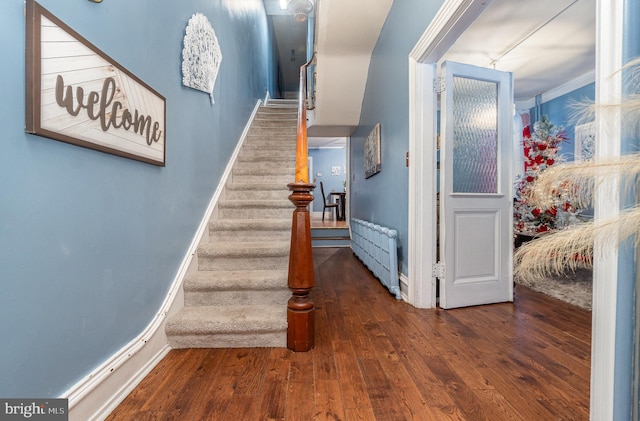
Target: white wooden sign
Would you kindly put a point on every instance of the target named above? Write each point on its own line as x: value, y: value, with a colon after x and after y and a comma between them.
x: 79, y: 95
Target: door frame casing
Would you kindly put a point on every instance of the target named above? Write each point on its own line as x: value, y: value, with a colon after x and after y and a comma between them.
x: 453, y: 18
x: 609, y: 53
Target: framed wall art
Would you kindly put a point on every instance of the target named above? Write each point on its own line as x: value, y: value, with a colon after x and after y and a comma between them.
x: 372, y: 162
x: 77, y: 94
x: 585, y: 141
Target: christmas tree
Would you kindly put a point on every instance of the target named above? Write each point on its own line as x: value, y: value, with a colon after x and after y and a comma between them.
x: 540, y: 152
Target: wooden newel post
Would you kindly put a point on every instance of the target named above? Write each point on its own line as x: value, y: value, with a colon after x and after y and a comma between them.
x: 300, y: 309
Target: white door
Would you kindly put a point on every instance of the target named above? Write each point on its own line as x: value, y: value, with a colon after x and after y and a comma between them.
x: 476, y: 234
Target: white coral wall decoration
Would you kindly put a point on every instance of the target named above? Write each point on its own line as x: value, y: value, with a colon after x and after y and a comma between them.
x: 201, y: 55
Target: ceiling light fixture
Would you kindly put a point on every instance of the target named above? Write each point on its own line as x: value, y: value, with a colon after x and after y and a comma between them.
x: 283, y: 4
x: 300, y: 9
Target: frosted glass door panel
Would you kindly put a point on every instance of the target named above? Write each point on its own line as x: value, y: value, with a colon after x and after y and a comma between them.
x: 475, y: 141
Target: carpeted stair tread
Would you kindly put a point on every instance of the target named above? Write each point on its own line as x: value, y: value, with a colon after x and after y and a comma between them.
x: 280, y: 109
x: 276, y: 124
x: 282, y: 149
x: 253, y: 178
x: 271, y: 141
x: 251, y: 224
x: 260, y: 158
x: 264, y: 171
x: 256, y: 204
x: 228, y: 319
x: 272, y: 131
x: 247, y: 230
x: 257, y: 194
x: 255, y: 167
x: 262, y: 111
x: 255, y: 186
x: 272, y: 144
x: 245, y: 249
x: 241, y: 280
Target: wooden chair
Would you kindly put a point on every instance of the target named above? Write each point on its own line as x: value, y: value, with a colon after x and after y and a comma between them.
x: 326, y: 204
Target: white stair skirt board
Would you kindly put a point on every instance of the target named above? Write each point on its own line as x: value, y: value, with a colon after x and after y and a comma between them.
x: 101, y: 391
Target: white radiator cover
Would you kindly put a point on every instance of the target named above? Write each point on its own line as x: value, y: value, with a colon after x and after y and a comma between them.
x: 376, y: 247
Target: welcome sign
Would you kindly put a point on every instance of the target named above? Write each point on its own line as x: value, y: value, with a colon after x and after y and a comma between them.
x: 77, y: 94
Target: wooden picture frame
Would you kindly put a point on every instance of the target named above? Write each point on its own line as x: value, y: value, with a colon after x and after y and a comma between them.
x: 372, y: 162
x: 77, y: 94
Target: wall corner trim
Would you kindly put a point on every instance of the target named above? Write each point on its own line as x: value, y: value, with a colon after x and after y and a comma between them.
x: 105, y: 387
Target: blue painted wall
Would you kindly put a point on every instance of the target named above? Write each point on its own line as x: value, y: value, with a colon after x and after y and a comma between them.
x: 274, y: 64
x: 384, y: 198
x: 323, y: 161
x: 560, y: 112
x: 90, y: 242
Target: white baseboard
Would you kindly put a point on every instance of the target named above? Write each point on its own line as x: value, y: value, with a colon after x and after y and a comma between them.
x: 404, y: 287
x: 100, y: 392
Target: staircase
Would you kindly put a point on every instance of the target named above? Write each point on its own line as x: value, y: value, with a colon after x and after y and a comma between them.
x: 238, y: 296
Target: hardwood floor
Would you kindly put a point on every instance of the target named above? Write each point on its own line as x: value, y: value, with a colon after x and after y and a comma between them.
x: 329, y: 222
x: 380, y: 359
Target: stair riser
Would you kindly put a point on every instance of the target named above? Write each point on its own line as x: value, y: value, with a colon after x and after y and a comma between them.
x: 249, y: 235
x: 330, y: 243
x: 289, y: 138
x: 234, y: 263
x: 281, y: 123
x: 265, y: 112
x: 285, y: 142
x: 265, y: 151
x: 276, y: 339
x: 257, y: 195
x: 275, y: 120
x: 282, y: 104
x: 257, y: 179
x: 286, y: 118
x: 288, y: 166
x: 255, y: 158
x: 263, y: 170
x: 292, y: 110
x: 225, y: 298
x: 282, y: 155
x: 272, y: 131
x: 233, y: 213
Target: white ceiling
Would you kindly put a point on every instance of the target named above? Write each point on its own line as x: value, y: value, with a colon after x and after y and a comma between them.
x: 544, y: 43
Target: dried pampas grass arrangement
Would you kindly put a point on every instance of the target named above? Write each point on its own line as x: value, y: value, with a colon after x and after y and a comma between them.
x: 572, y: 248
